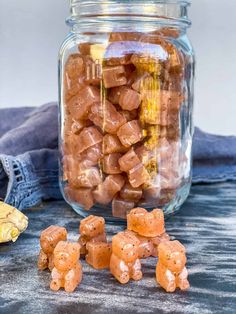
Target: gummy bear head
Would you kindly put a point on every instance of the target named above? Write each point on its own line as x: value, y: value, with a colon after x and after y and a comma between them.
x: 172, y: 255
x: 125, y: 245
x: 66, y: 255
x: 50, y: 237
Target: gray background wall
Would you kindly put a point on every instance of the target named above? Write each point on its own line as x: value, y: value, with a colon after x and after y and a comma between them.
x: 31, y: 32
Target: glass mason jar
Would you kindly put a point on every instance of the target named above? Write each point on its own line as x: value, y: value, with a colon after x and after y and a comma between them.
x: 126, y: 74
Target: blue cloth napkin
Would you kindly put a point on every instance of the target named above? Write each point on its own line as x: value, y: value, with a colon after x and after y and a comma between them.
x: 29, y: 156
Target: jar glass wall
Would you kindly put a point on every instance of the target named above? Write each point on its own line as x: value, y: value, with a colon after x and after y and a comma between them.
x: 126, y: 95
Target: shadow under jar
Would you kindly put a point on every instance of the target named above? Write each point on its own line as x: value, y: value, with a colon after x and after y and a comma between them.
x: 126, y: 94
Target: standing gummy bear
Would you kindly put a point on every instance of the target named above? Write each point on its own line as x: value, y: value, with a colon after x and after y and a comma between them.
x: 67, y: 272
x: 48, y: 241
x: 171, y: 272
x: 124, y: 263
x: 92, y: 229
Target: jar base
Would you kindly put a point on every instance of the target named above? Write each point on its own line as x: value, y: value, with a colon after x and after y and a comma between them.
x: 100, y: 210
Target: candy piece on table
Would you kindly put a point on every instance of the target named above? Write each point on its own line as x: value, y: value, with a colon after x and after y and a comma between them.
x: 130, y: 133
x: 129, y: 160
x: 92, y: 226
x: 82, y: 196
x: 80, y: 104
x: 92, y: 229
x: 67, y: 271
x: 129, y: 115
x: 88, y: 137
x: 147, y: 224
x: 49, y: 238
x: 111, y: 164
x: 129, y: 99
x: 138, y: 176
x: 129, y: 193
x: 156, y: 241
x: 171, y: 272
x: 121, y: 207
x: 12, y: 223
x: 112, y: 144
x: 106, y: 117
x: 74, y: 66
x: 146, y: 247
x: 114, y: 94
x: 105, y: 191
x: 114, y: 76
x: 124, y: 263
x: 98, y: 254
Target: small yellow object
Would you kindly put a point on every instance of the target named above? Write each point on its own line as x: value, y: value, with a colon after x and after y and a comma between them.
x: 12, y: 223
x: 97, y: 52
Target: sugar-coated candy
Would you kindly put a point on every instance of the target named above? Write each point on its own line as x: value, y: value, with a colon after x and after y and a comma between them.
x: 114, y: 76
x: 87, y: 138
x: 129, y: 160
x: 74, y: 66
x: 124, y: 263
x: 130, y: 133
x: 111, y: 164
x: 146, y: 247
x: 92, y: 226
x: 121, y: 207
x: 130, y: 193
x: 105, y: 191
x: 171, y: 272
x: 147, y: 224
x: 106, y: 117
x: 82, y: 196
x: 157, y: 241
x: 92, y: 229
x: 138, y: 176
x: 98, y: 254
x: 48, y: 241
x: 129, y: 99
x: 67, y: 271
x: 80, y: 104
x: 112, y: 144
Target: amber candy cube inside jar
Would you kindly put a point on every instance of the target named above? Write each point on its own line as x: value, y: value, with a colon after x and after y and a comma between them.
x: 126, y: 106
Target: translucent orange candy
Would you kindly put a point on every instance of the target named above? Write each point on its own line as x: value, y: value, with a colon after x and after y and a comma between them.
x: 130, y: 193
x: 74, y: 66
x: 138, y: 176
x: 114, y: 76
x: 171, y: 272
x: 110, y: 163
x: 105, y: 191
x: 87, y: 138
x: 147, y: 224
x: 130, y: 133
x: 80, y: 104
x: 82, y: 196
x: 106, y: 117
x: 111, y: 144
x: 48, y: 241
x: 67, y: 271
x: 98, y: 254
x: 129, y: 160
x: 124, y: 263
x: 129, y: 99
x: 92, y: 229
x: 121, y: 207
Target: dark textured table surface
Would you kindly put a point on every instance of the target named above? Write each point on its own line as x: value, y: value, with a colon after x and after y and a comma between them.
x: 206, y: 225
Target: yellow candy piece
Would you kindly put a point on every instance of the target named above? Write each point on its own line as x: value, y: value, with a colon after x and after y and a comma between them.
x: 12, y: 223
x: 97, y: 52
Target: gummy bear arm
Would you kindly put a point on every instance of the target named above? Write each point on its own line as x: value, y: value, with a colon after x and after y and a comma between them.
x: 42, y: 260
